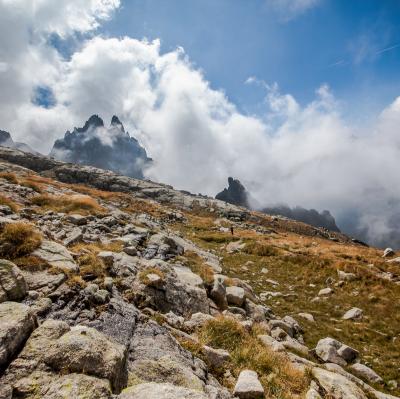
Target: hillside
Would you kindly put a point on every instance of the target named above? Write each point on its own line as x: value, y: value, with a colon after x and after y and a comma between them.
x: 113, y: 287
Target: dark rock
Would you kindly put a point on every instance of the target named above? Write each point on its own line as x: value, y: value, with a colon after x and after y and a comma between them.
x: 235, y: 194
x: 106, y: 148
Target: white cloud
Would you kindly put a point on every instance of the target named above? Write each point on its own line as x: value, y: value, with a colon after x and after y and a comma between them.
x: 302, y: 155
x: 291, y: 9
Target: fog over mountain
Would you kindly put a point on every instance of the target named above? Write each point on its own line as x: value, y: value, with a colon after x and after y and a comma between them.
x: 295, y: 153
x: 107, y: 148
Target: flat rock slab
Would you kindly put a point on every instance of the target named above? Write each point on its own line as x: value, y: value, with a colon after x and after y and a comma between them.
x: 248, y: 386
x: 160, y: 391
x: 187, y: 277
x: 365, y: 372
x: 16, y: 324
x: 336, y: 385
x: 56, y: 255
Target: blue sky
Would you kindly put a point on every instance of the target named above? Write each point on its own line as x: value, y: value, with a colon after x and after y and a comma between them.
x: 343, y: 43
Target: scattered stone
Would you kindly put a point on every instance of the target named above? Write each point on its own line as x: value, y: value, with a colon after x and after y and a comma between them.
x: 271, y: 343
x: 388, y: 252
x: 325, y: 291
x: 216, y: 357
x: 353, y: 314
x: 76, y: 219
x: 73, y: 237
x: 343, y: 276
x: 131, y: 250
x: 248, y: 386
x: 218, y: 293
x: 307, y: 316
x: 235, y: 295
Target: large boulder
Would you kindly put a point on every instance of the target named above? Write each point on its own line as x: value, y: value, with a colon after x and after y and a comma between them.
x: 332, y: 351
x: 160, y: 391
x: 155, y: 356
x: 16, y: 324
x: 56, y: 255
x: 86, y: 350
x: 337, y: 386
x: 248, y: 386
x: 12, y: 283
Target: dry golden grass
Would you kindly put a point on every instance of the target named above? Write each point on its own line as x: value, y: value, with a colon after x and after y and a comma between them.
x: 115, y: 246
x: 10, y: 177
x: 90, y: 266
x: 278, y: 377
x: 143, y: 275
x: 80, y: 204
x: 260, y: 249
x: 8, y: 202
x: 19, y: 239
x: 32, y: 263
x: 31, y: 184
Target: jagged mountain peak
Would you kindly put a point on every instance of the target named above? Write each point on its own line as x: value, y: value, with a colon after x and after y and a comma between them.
x: 115, y: 122
x: 106, y: 148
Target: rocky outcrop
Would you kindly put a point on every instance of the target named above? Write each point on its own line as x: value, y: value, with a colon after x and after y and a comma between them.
x: 235, y: 194
x: 16, y: 324
x: 13, y: 286
x: 107, y: 148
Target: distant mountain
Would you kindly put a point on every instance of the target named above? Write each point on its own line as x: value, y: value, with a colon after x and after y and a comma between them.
x: 309, y: 216
x: 237, y: 194
x: 109, y: 148
x: 7, y: 141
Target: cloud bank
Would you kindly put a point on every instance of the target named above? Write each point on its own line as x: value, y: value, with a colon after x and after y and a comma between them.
x: 300, y: 155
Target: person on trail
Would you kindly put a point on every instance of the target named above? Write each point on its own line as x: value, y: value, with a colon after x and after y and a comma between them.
x: 232, y: 230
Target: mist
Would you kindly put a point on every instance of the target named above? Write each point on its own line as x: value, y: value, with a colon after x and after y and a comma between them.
x: 298, y: 154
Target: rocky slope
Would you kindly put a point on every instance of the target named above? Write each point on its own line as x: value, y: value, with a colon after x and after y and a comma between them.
x: 108, y: 148
x: 112, y: 287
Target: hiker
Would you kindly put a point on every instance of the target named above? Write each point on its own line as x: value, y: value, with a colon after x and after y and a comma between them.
x: 232, y: 230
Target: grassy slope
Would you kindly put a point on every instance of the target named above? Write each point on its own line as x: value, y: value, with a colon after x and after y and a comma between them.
x: 301, y: 265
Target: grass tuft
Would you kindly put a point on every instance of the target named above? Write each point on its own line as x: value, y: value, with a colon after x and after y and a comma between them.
x: 143, y: 275
x: 260, y: 249
x: 10, y: 177
x: 8, y: 202
x: 19, y: 239
x: 80, y: 204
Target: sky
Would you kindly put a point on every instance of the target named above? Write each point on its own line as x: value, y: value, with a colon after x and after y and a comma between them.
x: 349, y: 45
x: 299, y: 99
